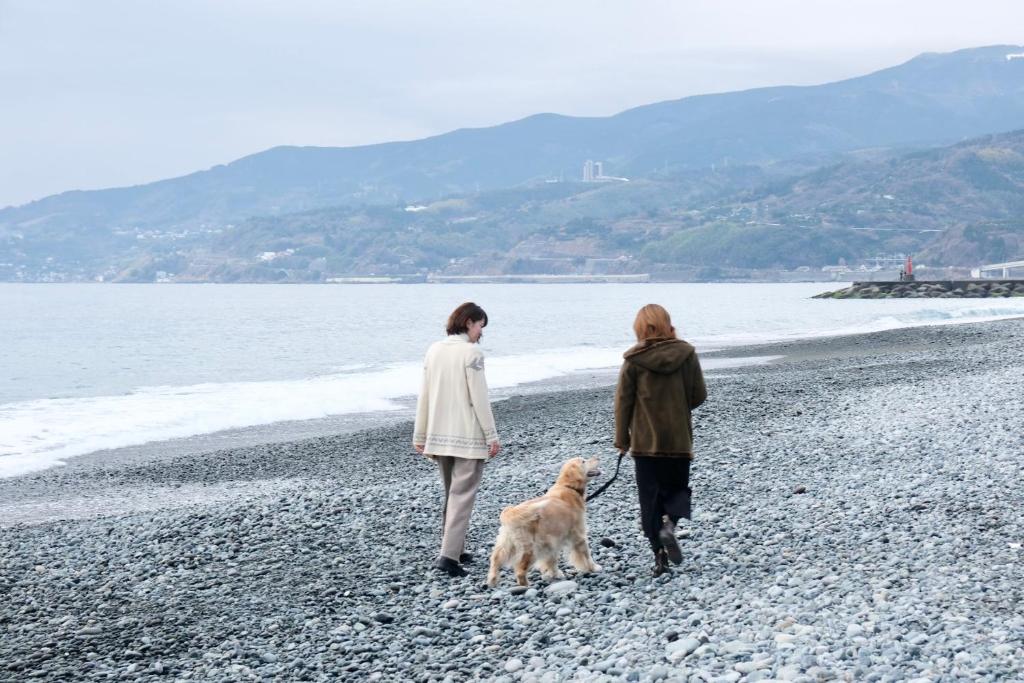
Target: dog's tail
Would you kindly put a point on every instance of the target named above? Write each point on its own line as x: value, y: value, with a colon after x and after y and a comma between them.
x: 500, y: 555
x: 506, y: 515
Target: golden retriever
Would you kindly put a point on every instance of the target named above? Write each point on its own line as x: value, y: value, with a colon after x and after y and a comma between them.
x: 535, y: 533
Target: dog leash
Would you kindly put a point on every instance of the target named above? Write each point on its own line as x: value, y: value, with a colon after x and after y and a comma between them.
x: 608, y: 483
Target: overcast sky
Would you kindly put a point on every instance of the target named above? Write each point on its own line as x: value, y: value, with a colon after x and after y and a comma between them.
x: 104, y: 93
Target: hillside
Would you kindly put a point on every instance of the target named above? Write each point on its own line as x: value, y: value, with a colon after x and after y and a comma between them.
x: 961, y: 205
x: 932, y: 99
x: 958, y: 206
x: 544, y: 228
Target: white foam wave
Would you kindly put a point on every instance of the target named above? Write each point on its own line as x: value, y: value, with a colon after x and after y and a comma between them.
x: 38, y: 434
x: 881, y: 320
x: 512, y: 371
x: 926, y: 317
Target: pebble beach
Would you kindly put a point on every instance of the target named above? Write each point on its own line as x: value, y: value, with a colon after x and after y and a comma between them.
x: 857, y: 517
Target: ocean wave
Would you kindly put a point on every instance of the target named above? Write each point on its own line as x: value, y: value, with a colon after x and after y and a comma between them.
x: 880, y: 318
x: 38, y: 434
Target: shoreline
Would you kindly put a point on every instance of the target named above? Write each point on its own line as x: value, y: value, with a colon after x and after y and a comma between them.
x: 297, y: 430
x: 856, y: 517
x: 294, y: 430
x: 79, y: 488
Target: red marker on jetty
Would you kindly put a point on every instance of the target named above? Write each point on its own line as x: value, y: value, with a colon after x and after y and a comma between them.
x: 907, y: 274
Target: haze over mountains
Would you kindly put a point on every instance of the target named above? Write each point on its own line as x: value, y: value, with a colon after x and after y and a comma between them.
x: 727, y: 179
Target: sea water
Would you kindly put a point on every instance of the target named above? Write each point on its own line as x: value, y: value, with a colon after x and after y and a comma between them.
x: 90, y: 367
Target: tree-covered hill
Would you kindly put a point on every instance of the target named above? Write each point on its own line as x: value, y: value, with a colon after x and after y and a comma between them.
x: 959, y: 205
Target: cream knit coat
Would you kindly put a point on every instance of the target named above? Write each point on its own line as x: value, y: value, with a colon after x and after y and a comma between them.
x: 453, y: 414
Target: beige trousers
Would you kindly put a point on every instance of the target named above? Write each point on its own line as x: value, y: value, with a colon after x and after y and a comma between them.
x: 461, y: 477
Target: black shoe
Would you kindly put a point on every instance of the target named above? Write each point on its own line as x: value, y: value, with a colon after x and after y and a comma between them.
x: 466, y: 558
x: 449, y: 566
x: 667, y: 536
x: 660, y: 562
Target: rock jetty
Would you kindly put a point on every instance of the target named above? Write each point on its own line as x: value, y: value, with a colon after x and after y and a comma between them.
x: 928, y: 289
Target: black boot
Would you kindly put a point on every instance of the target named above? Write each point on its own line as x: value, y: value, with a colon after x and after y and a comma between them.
x: 466, y: 558
x: 449, y: 566
x: 660, y: 562
x: 667, y: 536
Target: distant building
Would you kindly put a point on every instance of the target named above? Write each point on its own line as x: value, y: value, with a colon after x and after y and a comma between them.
x: 593, y: 172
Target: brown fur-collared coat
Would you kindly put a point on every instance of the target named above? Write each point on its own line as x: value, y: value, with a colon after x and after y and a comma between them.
x: 659, y: 384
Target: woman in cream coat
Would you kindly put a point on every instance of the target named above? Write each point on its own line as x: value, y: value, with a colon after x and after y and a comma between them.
x: 455, y: 426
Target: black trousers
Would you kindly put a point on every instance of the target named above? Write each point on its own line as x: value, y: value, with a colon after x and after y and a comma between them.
x: 663, y: 485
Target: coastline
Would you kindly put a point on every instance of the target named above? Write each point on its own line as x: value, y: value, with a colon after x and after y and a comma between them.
x: 63, y: 491
x: 905, y: 443
x: 103, y: 482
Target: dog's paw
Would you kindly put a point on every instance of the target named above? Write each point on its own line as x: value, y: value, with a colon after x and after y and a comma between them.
x: 594, y: 569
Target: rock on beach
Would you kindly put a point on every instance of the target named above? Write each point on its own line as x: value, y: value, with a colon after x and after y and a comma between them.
x: 896, y: 561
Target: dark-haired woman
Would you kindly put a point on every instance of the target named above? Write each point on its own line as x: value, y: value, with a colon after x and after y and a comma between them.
x: 659, y: 384
x: 455, y: 426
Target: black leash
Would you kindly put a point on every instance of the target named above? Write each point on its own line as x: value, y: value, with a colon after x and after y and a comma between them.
x: 608, y: 483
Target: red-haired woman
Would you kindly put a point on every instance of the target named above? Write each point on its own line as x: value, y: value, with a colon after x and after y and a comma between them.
x: 455, y: 427
x: 659, y: 384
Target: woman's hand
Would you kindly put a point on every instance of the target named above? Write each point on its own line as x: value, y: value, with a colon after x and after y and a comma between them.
x: 493, y: 448
x: 419, y: 448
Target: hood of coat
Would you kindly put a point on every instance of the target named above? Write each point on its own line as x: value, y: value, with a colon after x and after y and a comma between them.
x: 663, y: 356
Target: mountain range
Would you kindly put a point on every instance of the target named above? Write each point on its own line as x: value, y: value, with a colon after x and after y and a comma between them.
x: 812, y: 174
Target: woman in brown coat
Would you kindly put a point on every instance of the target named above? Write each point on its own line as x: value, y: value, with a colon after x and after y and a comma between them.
x: 659, y: 384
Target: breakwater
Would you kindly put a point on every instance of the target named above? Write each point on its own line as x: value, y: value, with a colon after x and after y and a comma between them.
x: 933, y: 289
